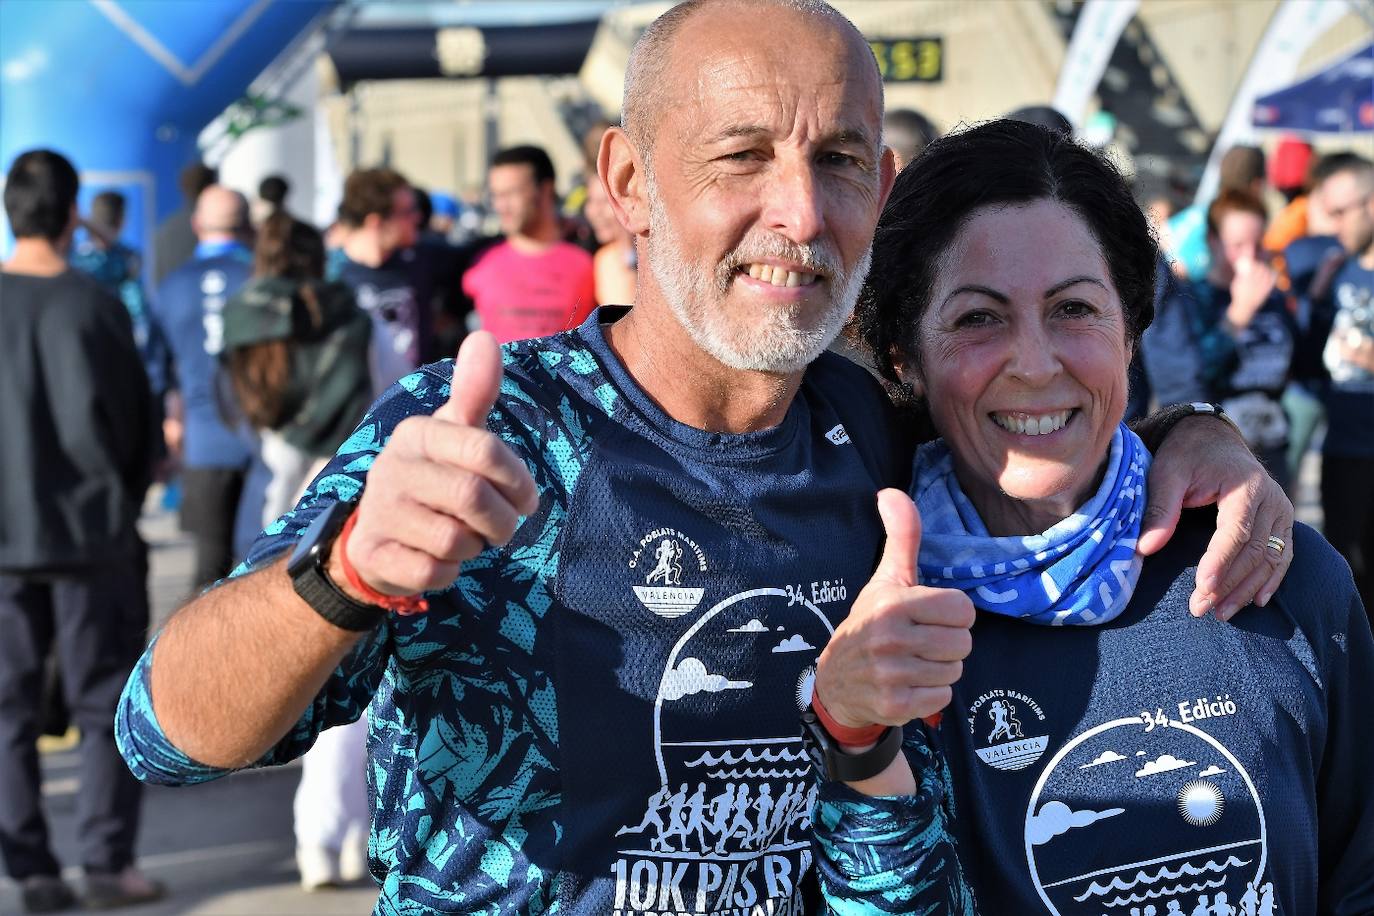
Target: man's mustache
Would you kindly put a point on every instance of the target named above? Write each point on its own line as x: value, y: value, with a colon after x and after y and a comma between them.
x: 819, y: 257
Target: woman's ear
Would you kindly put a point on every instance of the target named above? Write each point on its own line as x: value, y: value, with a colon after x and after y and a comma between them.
x: 908, y: 376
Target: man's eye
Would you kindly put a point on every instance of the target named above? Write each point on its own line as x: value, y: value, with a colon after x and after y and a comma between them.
x: 841, y: 159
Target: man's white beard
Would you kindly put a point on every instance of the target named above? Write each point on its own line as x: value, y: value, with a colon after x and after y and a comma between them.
x: 785, y: 339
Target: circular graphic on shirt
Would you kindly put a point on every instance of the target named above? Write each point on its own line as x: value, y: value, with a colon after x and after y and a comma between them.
x: 1184, y: 831
x: 728, y: 828
x: 998, y: 722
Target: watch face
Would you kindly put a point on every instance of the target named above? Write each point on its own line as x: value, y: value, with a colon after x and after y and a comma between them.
x: 815, y: 741
x: 320, y: 533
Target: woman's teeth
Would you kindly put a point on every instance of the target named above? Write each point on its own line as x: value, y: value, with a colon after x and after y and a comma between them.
x: 1028, y: 425
x: 779, y: 276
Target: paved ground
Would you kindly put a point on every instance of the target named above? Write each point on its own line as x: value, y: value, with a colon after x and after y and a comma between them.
x: 225, y: 848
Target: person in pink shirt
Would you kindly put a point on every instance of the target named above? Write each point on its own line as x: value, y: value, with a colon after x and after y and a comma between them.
x: 532, y: 284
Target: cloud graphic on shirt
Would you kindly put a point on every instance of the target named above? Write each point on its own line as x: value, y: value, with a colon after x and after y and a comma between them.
x: 691, y: 676
x: 1104, y: 757
x: 753, y: 626
x: 1212, y: 770
x: 1163, y: 764
x: 1056, y: 818
x: 793, y: 643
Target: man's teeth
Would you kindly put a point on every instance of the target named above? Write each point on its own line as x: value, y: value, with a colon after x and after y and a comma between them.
x: 779, y: 276
x: 1027, y: 425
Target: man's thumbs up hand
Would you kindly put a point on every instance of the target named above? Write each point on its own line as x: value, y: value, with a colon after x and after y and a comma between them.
x: 900, y: 650
x: 442, y: 489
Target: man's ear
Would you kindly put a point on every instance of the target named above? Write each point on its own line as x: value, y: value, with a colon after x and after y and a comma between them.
x: 887, y: 174
x: 621, y: 170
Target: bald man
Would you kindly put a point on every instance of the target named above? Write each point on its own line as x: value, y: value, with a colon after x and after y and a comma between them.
x: 632, y: 539
x: 214, y: 457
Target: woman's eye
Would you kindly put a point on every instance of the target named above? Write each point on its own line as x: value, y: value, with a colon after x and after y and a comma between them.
x: 974, y: 320
x: 1076, y: 309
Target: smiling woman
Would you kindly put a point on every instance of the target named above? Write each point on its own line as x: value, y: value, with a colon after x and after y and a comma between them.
x: 1012, y: 278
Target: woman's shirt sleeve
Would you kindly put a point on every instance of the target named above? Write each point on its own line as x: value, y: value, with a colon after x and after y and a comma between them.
x: 891, y: 854
x: 1345, y: 791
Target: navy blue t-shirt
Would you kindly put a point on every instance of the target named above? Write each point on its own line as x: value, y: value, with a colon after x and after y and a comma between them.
x: 189, y: 306
x: 1165, y: 761
x: 388, y: 295
x: 602, y: 715
x: 1304, y: 256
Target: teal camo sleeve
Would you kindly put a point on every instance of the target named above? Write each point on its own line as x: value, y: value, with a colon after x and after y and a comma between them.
x: 895, y: 854
x: 344, y: 697
x: 155, y: 760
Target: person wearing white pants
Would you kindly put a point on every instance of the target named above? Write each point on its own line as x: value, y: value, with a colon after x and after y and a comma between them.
x: 331, y: 810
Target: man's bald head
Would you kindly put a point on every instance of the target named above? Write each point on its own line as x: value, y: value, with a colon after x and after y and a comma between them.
x: 651, y: 80
x: 220, y: 211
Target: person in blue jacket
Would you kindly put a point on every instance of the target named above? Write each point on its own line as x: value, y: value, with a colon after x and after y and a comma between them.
x: 1107, y: 749
x: 215, y: 452
x: 632, y: 539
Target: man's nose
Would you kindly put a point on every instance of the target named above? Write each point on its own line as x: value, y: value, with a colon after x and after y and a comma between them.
x: 793, y: 204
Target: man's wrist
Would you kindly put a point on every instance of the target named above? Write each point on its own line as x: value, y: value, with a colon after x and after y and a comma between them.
x: 334, y: 568
x: 358, y: 588
x: 850, y: 737
x: 1156, y: 427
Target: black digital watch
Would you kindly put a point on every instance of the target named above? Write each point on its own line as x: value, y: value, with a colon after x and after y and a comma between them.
x: 835, y: 764
x: 312, y: 583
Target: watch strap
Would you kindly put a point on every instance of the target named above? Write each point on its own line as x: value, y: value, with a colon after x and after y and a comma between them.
x: 838, y: 765
x: 1154, y: 428
x: 311, y: 581
x: 317, y: 590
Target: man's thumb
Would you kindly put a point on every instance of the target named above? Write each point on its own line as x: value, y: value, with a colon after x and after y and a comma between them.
x: 902, y: 522
x: 476, y: 381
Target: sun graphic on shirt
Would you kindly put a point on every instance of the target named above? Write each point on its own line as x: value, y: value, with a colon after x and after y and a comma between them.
x: 806, y: 685
x: 1201, y: 803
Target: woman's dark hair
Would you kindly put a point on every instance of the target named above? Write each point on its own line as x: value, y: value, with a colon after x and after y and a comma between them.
x: 288, y: 248
x: 274, y: 189
x: 999, y: 163
x: 260, y: 373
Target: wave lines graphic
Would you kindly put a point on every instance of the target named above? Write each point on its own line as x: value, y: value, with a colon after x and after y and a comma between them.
x: 1164, y: 874
x: 749, y: 773
x: 749, y: 756
x: 1164, y: 892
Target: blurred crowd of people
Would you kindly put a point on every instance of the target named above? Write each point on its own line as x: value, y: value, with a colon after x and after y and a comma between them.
x: 262, y: 341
